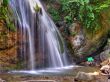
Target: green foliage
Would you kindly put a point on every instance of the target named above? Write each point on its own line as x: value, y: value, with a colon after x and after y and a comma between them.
x: 6, y: 15
x: 70, y: 9
x: 54, y: 13
x: 5, y: 3
x: 102, y: 6
x: 85, y: 11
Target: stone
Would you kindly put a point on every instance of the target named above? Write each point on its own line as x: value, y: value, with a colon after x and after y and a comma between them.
x: 76, y: 35
x: 78, y: 40
x: 105, y: 55
x: 105, y: 70
x: 90, y: 77
x: 108, y: 80
x: 1, y: 80
x: 106, y: 62
x: 75, y: 28
x: 82, y: 76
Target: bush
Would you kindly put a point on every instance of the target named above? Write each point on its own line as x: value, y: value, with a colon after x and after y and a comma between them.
x: 85, y: 11
x: 54, y: 13
x: 5, y: 15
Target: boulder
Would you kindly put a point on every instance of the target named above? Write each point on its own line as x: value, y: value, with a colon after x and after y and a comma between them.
x: 1, y: 80
x: 105, y: 70
x: 106, y: 62
x: 105, y: 55
x: 90, y: 77
x: 86, y: 76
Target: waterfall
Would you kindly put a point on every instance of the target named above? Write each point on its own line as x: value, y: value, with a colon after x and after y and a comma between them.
x: 41, y: 39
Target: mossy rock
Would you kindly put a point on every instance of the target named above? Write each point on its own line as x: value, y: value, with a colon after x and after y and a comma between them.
x: 37, y: 8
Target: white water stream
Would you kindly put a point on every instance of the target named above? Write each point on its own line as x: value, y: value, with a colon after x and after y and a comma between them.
x: 37, y: 25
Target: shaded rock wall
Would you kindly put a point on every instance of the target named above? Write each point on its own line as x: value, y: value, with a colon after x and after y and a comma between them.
x: 93, y: 42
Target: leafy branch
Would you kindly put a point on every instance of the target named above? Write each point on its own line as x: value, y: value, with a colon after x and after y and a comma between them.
x: 85, y: 11
x: 5, y: 15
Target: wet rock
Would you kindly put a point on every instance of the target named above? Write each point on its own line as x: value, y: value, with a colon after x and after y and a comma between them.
x: 78, y: 40
x: 106, y: 62
x: 105, y: 70
x: 105, y: 55
x: 86, y: 76
x: 76, y: 36
x: 1, y: 80
x: 60, y: 24
x: 90, y: 77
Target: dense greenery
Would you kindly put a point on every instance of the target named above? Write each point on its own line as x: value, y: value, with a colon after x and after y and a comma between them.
x: 85, y: 11
x: 5, y: 15
x: 55, y: 14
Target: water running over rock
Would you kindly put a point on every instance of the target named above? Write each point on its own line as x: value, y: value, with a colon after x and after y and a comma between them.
x: 43, y: 40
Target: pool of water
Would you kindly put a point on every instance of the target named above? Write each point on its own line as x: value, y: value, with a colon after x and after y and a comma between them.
x: 67, y: 70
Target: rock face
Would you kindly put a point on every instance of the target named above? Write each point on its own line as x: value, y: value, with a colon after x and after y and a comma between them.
x: 85, y: 76
x: 105, y: 69
x: 7, y: 38
x: 90, y: 77
x: 86, y: 43
x: 78, y: 37
x: 106, y: 62
x: 106, y: 53
x: 8, y: 53
x: 75, y: 38
x: 1, y: 80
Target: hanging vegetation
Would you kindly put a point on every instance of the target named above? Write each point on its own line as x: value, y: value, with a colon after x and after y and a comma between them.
x: 5, y: 15
x: 85, y: 11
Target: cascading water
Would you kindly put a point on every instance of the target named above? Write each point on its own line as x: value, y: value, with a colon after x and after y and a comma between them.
x: 40, y: 34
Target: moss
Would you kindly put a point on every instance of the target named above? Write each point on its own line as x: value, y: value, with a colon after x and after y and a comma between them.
x: 37, y: 8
